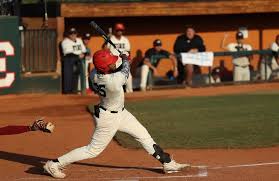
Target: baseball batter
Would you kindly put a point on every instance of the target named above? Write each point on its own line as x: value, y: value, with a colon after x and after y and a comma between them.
x: 111, y: 116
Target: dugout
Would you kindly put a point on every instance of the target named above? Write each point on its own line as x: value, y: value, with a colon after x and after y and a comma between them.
x: 146, y: 21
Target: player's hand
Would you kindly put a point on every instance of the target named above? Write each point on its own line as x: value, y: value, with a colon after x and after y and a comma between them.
x: 193, y: 50
x: 124, y: 55
x: 81, y: 56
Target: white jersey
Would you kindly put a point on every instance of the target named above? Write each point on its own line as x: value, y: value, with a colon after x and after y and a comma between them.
x: 75, y: 47
x: 240, y: 61
x: 110, y: 88
x: 274, y: 47
x: 121, y: 44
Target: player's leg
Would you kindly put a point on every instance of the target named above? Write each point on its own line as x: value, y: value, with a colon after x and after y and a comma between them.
x: 189, y: 74
x: 237, y: 75
x: 87, y: 62
x: 130, y: 125
x: 129, y: 87
x: 106, y: 127
x: 143, y: 77
x: 246, y: 73
x: 77, y: 68
x: 67, y: 75
x: 265, y: 70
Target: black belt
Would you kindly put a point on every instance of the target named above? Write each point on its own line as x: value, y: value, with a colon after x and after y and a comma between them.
x: 243, y: 66
x: 110, y: 111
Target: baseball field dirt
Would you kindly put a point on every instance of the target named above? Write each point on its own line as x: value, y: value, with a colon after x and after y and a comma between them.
x: 22, y: 155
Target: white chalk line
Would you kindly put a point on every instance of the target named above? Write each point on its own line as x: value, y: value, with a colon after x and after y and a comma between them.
x: 244, y: 165
x: 155, y: 177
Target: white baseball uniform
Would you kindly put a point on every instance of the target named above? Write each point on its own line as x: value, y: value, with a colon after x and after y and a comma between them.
x: 241, y: 64
x: 112, y: 117
x: 272, y: 67
x: 275, y: 48
x: 76, y: 47
x: 123, y: 45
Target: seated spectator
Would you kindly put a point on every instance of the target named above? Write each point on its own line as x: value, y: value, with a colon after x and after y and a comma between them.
x: 241, y: 64
x: 187, y: 42
x: 151, y: 60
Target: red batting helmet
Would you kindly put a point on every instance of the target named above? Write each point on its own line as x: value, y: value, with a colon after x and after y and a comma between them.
x: 119, y: 26
x: 102, y: 59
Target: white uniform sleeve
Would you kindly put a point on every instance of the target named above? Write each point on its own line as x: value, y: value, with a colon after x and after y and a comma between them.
x: 123, y: 74
x: 67, y: 47
x: 274, y: 47
x: 83, y: 48
x: 128, y: 46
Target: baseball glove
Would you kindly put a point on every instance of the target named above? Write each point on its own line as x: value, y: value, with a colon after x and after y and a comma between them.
x: 41, y: 125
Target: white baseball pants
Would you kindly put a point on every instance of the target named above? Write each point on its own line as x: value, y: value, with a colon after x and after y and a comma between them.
x: 106, y: 126
x: 129, y: 85
x: 241, y: 73
x: 144, y: 76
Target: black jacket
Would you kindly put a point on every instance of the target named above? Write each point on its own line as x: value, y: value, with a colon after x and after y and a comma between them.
x: 183, y: 44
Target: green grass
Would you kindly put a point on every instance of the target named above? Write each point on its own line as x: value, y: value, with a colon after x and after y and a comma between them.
x: 235, y: 121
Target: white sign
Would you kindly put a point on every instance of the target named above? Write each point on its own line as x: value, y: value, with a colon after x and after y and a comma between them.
x: 201, y: 58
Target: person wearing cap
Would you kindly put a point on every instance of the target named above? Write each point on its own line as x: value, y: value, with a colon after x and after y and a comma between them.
x: 187, y: 42
x: 73, y: 51
x: 123, y: 44
x: 151, y: 60
x: 241, y: 71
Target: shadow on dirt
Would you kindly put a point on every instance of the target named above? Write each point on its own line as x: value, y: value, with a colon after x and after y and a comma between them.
x: 38, y: 162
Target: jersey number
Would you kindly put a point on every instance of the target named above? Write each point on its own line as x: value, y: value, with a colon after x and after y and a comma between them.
x: 101, y: 90
x: 9, y: 77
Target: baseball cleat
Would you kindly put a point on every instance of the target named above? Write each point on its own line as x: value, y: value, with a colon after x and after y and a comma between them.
x: 173, y: 167
x: 54, y: 169
x: 41, y: 125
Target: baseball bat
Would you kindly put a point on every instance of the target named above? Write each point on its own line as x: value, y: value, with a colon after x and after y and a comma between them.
x: 103, y: 34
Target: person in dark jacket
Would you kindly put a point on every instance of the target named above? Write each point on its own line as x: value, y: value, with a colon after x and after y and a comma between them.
x: 187, y: 42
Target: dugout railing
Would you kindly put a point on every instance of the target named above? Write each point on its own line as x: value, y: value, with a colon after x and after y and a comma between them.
x: 265, y: 58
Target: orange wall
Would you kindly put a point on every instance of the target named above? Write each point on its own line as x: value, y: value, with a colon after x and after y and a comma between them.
x: 141, y: 31
x: 212, y: 41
